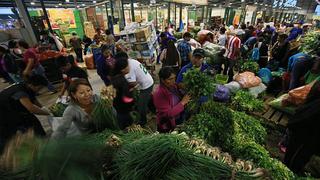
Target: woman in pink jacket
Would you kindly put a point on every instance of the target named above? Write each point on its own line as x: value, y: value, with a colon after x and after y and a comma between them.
x: 168, y: 101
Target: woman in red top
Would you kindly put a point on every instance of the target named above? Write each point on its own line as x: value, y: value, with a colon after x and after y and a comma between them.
x: 168, y: 101
x: 33, y: 66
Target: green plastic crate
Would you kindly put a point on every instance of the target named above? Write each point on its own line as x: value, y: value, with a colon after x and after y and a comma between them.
x: 221, y: 79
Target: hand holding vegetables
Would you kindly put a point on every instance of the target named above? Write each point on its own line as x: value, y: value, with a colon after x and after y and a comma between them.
x: 185, y: 100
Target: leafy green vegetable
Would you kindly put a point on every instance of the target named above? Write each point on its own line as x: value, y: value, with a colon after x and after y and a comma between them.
x: 244, y: 101
x: 250, y: 66
x: 104, y: 116
x: 58, y: 109
x: 311, y: 43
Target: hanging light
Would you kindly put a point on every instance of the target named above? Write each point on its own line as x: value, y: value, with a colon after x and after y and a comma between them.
x: 83, y: 4
x: 32, y: 3
x: 67, y: 0
x: 60, y: 4
x: 94, y: 1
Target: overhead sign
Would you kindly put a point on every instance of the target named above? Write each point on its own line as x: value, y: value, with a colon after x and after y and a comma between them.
x: 193, y: 2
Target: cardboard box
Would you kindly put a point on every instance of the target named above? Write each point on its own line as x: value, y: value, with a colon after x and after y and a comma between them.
x: 142, y: 34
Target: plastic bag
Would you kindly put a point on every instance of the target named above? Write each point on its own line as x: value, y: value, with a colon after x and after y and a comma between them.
x: 255, y: 91
x: 299, y: 95
x: 247, y: 79
x: 265, y: 75
x: 222, y: 93
x: 233, y: 86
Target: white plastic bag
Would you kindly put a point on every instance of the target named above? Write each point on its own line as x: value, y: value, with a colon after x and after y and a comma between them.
x: 233, y: 86
x: 255, y: 91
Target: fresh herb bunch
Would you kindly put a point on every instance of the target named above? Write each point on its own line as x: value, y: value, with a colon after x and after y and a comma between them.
x: 198, y: 84
x: 249, y: 126
x: 250, y: 66
x: 244, y: 101
x: 311, y: 43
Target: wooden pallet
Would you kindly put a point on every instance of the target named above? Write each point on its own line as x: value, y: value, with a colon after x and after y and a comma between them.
x: 272, y: 115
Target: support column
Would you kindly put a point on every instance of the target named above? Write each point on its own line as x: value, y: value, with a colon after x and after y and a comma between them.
x: 123, y: 16
x: 156, y: 17
x: 169, y: 7
x: 202, y: 14
x: 132, y: 11
x: 175, y: 15
x: 24, y: 15
x: 46, y: 15
x: 112, y: 12
x: 180, y: 17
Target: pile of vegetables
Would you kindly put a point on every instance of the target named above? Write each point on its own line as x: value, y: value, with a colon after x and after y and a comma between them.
x: 58, y: 109
x: 311, y: 43
x: 250, y: 66
x: 243, y: 136
x: 244, y: 101
x: 197, y: 84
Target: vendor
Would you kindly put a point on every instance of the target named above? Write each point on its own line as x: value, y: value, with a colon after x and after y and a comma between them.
x: 298, y: 66
x: 75, y: 42
x: 196, y: 62
x: 280, y: 53
x: 76, y: 118
x: 70, y: 71
x: 98, y: 36
x: 168, y: 101
x: 314, y: 72
x: 18, y: 104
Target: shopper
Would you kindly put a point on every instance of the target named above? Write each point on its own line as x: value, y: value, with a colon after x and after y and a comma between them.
x: 196, y: 62
x: 124, y: 101
x: 87, y: 42
x: 280, y: 53
x: 47, y: 42
x: 295, y: 32
x: 9, y: 65
x: 18, y: 104
x: 170, y: 57
x: 70, y: 72
x: 184, y: 49
x: 3, y: 70
x: 168, y: 101
x: 105, y: 64
x: 76, y: 118
x: 75, y: 42
x: 32, y: 63
x: 98, y: 36
x: 248, y: 33
x: 110, y: 41
x: 222, y: 37
x: 232, y: 54
x: 137, y: 75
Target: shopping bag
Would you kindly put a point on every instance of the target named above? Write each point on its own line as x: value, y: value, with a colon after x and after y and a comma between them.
x: 247, y: 79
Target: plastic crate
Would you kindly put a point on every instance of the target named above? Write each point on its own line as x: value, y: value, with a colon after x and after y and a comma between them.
x: 221, y: 79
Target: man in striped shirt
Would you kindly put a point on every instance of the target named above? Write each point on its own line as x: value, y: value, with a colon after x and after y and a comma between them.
x: 232, y: 53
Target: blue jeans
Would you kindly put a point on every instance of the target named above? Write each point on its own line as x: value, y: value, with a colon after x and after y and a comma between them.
x: 39, y: 70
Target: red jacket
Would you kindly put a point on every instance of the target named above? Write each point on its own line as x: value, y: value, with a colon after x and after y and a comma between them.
x: 166, y: 110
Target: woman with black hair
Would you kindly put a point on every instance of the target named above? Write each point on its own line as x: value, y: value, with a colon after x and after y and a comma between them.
x: 170, y: 57
x: 18, y: 104
x: 168, y: 101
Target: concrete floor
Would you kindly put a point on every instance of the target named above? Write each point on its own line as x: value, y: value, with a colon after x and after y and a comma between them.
x: 47, y: 99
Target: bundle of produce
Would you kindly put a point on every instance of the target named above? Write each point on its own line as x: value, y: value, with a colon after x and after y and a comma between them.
x: 212, y: 52
x: 58, y: 109
x: 103, y: 114
x: 244, y: 101
x: 178, y: 35
x: 27, y: 157
x: 197, y: 84
x: 167, y: 157
x: 311, y: 43
x: 250, y: 66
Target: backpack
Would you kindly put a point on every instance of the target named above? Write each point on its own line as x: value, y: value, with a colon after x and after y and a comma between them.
x: 11, y: 64
x: 256, y: 53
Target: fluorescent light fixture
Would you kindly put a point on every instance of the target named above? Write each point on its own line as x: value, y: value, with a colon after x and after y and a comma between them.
x: 60, y: 4
x: 32, y: 3
x: 78, y: 6
x: 230, y: 3
x: 56, y: 6
x: 214, y: 5
x: 83, y: 4
x: 243, y: 0
x: 67, y: 0
x: 94, y: 1
x: 266, y: 5
x: 103, y: 5
x: 256, y: 3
